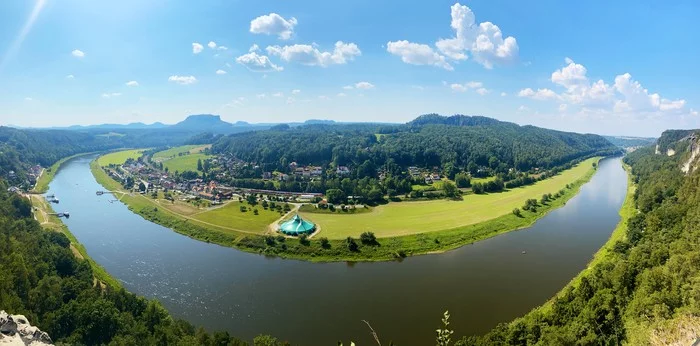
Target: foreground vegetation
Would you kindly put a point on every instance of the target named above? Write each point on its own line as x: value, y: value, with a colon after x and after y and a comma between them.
x: 361, y: 248
x: 643, y: 287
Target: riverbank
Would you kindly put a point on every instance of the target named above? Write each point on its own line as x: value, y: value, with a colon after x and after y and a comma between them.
x: 321, y: 249
x: 45, y: 215
x: 42, y: 183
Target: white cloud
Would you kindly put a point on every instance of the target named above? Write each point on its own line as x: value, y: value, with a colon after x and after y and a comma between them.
x: 310, y: 55
x: 258, y: 63
x: 220, y: 72
x: 197, y: 48
x: 341, y: 95
x: 523, y: 109
x: 295, y: 91
x: 211, y: 44
x: 469, y: 85
x: 28, y: 99
x: 290, y: 100
x: 273, y: 24
x: 503, y: 94
x: 364, y: 85
x: 540, y: 94
x: 132, y: 83
x: 348, y: 87
x: 70, y: 76
x: 254, y: 48
x: 78, y: 53
x: 222, y: 48
x: 625, y: 96
x: 182, y: 80
x: 278, y: 94
x: 482, y: 91
x: 417, y: 54
x: 323, y: 97
x: 110, y: 95
x: 261, y: 96
x: 483, y: 41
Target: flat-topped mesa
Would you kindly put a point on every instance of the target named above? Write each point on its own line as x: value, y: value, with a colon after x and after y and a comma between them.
x: 15, y: 330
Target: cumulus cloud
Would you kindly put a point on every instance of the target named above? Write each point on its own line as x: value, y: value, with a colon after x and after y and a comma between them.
x: 110, y: 95
x: 341, y: 95
x: 504, y: 94
x: 197, y: 48
x: 296, y: 91
x: 278, y: 94
x: 28, y: 99
x: 364, y: 85
x: 132, y: 83
x: 254, y: 48
x: 70, y: 76
x: 482, y: 91
x: 211, y: 45
x: 257, y: 62
x: 348, y: 87
x: 484, y: 42
x: 78, y: 53
x: 310, y: 55
x: 625, y: 95
x: 273, y: 24
x: 182, y: 80
x: 417, y: 54
x: 220, y: 72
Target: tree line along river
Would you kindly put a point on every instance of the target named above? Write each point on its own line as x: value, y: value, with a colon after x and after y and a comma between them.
x: 246, y: 294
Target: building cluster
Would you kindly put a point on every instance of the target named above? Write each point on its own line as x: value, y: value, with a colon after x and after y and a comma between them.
x: 428, y: 176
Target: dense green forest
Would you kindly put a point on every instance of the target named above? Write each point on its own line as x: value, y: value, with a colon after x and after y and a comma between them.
x: 42, y: 279
x: 429, y: 141
x: 630, y: 142
x: 650, y: 281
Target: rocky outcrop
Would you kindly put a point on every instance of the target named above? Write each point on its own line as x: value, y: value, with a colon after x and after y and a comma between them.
x: 694, y: 155
x: 15, y: 330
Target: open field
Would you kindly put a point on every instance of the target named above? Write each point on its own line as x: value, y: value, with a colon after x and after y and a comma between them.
x: 173, y: 152
x: 184, y: 163
x: 230, y: 215
x: 405, y: 218
x: 119, y: 157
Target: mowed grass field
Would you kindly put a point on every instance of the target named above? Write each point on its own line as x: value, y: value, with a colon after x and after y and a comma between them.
x: 173, y: 152
x: 230, y: 215
x: 405, y: 218
x: 174, y: 162
x: 119, y: 157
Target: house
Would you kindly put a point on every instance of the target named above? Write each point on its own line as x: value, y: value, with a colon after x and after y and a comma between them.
x: 315, y: 170
x: 282, y: 177
x: 435, y: 177
x: 293, y: 166
x: 267, y: 175
x: 342, y: 170
x: 206, y: 195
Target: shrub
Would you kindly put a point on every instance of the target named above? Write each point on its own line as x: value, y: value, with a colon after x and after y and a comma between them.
x: 281, y: 238
x: 255, y: 211
x: 304, y: 239
x: 352, y: 245
x: 243, y: 209
x: 325, y: 243
x: 517, y: 212
x: 368, y: 238
x: 270, y: 240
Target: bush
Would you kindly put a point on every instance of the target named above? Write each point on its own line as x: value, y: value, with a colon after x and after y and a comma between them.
x: 325, y: 243
x: 517, y: 212
x: 368, y: 238
x: 304, y: 239
x: 352, y: 245
x: 281, y: 238
x: 270, y: 240
x: 255, y: 211
x: 243, y: 209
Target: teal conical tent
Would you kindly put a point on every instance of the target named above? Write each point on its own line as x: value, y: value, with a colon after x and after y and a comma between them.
x: 297, y: 226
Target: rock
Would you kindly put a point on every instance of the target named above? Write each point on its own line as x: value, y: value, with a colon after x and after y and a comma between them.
x: 15, y: 330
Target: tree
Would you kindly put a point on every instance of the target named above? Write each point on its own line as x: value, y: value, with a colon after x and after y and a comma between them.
x: 450, y: 189
x: 325, y: 243
x: 375, y: 195
x: 199, y: 165
x: 352, y: 245
x: 478, y: 188
x: 462, y: 180
x: 142, y: 187
x: 517, y: 212
x: 335, y: 196
x: 368, y: 238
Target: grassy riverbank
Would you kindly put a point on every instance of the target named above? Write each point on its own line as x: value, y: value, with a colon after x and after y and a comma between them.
x: 42, y: 184
x: 320, y: 249
x: 43, y: 213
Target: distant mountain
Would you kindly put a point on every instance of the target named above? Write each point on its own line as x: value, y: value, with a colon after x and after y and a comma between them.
x: 630, y: 142
x: 130, y: 126
x: 203, y: 123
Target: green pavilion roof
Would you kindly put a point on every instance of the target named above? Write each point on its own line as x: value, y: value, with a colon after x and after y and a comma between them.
x: 297, y: 225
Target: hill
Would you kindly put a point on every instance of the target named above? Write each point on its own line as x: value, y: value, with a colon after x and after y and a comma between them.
x: 630, y: 142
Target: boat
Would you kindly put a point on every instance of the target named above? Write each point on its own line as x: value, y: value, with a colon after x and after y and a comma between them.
x: 99, y: 193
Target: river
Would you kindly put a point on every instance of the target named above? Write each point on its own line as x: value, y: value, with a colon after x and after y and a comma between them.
x: 306, y: 303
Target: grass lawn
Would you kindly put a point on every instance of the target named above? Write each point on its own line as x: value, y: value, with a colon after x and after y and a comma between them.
x: 173, y: 152
x: 119, y: 157
x: 402, y: 218
x: 230, y: 215
x: 482, y: 180
x: 184, y: 163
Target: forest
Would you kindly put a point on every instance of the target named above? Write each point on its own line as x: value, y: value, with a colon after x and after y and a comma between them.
x: 648, y: 285
x: 429, y: 141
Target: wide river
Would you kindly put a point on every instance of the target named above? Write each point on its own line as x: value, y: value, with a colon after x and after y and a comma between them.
x: 305, y: 303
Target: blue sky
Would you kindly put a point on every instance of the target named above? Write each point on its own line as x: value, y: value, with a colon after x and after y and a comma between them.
x: 622, y: 67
